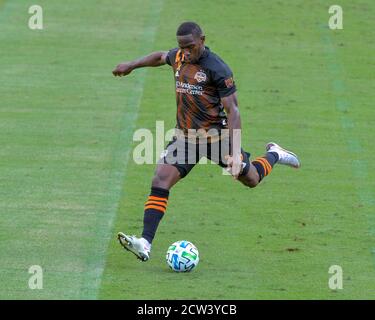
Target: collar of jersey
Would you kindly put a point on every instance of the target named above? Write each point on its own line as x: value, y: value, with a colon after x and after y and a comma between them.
x: 205, y: 53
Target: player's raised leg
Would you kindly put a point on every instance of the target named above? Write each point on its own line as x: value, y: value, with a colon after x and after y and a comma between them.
x: 165, y: 177
x: 262, y: 166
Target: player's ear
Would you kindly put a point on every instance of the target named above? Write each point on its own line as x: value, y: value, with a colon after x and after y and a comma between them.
x: 203, y: 38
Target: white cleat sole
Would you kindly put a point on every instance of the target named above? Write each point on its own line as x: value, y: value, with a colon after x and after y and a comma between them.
x: 297, y: 165
x: 126, y: 243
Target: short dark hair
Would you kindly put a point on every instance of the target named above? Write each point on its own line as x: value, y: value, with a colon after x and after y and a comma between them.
x: 189, y: 27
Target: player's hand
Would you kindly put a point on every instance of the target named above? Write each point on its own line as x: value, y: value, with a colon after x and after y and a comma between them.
x: 123, y: 69
x: 234, y: 165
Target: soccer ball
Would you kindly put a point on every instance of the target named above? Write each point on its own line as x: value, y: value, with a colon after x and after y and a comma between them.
x: 182, y: 256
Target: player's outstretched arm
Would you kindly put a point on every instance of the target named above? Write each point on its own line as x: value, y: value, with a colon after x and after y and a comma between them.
x: 230, y: 104
x: 154, y: 59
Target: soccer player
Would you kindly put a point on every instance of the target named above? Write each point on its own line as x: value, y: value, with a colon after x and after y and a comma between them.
x: 207, y: 110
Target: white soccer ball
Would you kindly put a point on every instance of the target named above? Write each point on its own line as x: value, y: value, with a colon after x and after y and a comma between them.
x: 182, y: 256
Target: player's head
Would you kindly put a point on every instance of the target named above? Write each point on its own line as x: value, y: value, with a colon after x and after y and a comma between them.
x: 190, y: 39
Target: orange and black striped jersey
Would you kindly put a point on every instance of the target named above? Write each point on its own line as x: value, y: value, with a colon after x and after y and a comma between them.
x: 199, y: 89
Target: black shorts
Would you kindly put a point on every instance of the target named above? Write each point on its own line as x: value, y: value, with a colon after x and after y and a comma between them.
x: 184, y: 155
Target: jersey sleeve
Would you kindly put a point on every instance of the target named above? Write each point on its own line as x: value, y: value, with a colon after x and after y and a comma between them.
x: 223, y: 80
x: 171, y: 56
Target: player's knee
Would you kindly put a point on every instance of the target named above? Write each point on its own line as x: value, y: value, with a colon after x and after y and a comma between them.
x: 251, y: 179
x: 159, y: 180
x: 162, y: 179
x: 252, y: 183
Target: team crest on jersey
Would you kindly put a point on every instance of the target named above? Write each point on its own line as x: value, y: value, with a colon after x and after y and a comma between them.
x: 229, y: 82
x: 200, y: 76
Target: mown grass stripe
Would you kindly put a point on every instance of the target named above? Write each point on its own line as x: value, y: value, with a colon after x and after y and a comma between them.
x: 122, y: 154
x: 66, y: 129
x: 354, y: 146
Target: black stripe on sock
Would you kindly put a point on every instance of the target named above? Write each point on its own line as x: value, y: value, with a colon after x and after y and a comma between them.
x: 272, y: 158
x: 159, y: 192
x: 151, y: 221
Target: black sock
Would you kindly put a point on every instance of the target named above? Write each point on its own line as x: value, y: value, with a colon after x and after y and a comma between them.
x: 155, y: 207
x: 272, y: 158
x: 265, y: 164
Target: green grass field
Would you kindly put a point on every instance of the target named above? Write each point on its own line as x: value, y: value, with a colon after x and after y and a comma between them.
x: 68, y: 182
